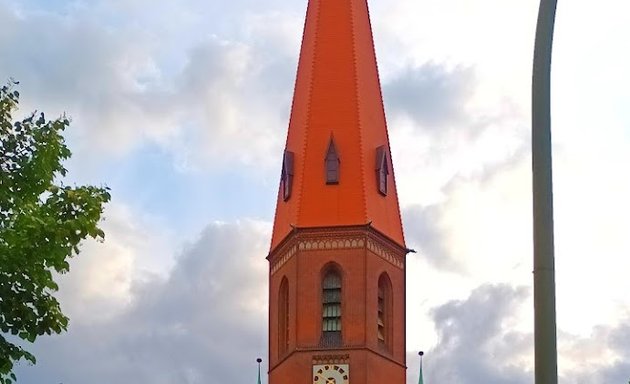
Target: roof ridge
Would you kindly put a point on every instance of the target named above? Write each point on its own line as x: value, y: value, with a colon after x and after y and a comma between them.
x: 389, y: 150
x: 310, y: 94
x: 358, y: 115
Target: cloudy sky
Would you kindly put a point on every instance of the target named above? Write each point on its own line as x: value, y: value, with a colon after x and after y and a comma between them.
x: 181, y: 108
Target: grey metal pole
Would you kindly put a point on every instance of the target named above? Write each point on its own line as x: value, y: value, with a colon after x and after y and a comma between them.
x: 545, y: 349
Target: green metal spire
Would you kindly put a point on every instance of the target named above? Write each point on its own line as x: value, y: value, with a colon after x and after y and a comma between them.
x: 259, y: 360
x: 420, y: 379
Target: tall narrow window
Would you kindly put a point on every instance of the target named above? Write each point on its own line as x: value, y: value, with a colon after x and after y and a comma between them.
x: 382, y: 170
x: 381, y: 314
x: 331, y: 308
x: 286, y: 179
x: 283, y: 317
x: 332, y: 163
x: 384, y: 315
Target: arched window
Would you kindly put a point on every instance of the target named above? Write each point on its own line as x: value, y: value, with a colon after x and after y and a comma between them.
x: 283, y: 317
x: 384, y: 315
x: 331, y: 307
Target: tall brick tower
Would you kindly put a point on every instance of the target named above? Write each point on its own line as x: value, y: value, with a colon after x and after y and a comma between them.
x: 337, y: 258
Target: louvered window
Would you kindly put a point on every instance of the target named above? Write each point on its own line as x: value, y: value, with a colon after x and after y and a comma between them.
x: 331, y: 302
x: 384, y: 313
x: 283, y: 317
x: 381, y: 315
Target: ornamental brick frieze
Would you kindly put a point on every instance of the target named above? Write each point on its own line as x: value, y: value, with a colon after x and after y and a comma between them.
x: 282, y: 258
x: 383, y: 252
x: 319, y: 244
x: 322, y: 239
x: 331, y: 359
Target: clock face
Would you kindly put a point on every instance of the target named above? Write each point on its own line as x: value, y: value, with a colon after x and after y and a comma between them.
x: 331, y: 374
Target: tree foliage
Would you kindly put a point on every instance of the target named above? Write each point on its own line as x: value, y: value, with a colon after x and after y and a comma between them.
x: 42, y: 223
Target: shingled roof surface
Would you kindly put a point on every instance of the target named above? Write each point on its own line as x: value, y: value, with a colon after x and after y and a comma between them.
x: 337, y: 96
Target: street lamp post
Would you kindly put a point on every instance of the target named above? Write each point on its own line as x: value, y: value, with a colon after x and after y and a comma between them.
x: 545, y: 354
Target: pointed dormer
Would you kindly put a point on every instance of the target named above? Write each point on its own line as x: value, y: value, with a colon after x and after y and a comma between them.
x: 332, y: 163
x: 338, y: 115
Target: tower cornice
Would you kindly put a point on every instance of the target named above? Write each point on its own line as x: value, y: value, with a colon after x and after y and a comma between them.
x: 304, y: 240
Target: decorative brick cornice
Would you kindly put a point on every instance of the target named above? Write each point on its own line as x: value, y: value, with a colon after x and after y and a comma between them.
x: 304, y: 240
x: 341, y: 243
x: 338, y: 358
x: 331, y: 359
x: 385, y: 253
x: 280, y: 260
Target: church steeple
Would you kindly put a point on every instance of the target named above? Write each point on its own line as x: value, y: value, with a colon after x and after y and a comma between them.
x: 337, y: 105
x: 337, y: 258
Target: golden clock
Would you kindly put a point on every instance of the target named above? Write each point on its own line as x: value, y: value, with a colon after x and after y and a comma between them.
x: 331, y: 374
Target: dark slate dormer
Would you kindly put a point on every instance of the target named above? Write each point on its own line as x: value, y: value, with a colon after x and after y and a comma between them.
x: 382, y: 170
x: 332, y: 163
x: 286, y: 179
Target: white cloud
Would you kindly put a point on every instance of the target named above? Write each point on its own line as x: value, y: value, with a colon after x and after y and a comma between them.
x: 211, y: 83
x: 121, y: 93
x: 204, y: 322
x: 102, y: 278
x: 477, y: 342
x: 480, y: 342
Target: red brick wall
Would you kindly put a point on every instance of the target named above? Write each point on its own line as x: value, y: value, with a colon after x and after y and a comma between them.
x: 360, y: 269
x: 366, y: 367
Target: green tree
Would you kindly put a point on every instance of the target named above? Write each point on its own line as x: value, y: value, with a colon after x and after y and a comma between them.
x: 42, y: 223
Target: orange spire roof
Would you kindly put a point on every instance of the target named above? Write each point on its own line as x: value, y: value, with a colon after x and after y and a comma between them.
x: 337, y: 167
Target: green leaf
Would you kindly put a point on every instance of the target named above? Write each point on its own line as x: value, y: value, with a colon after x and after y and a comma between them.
x: 42, y: 225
